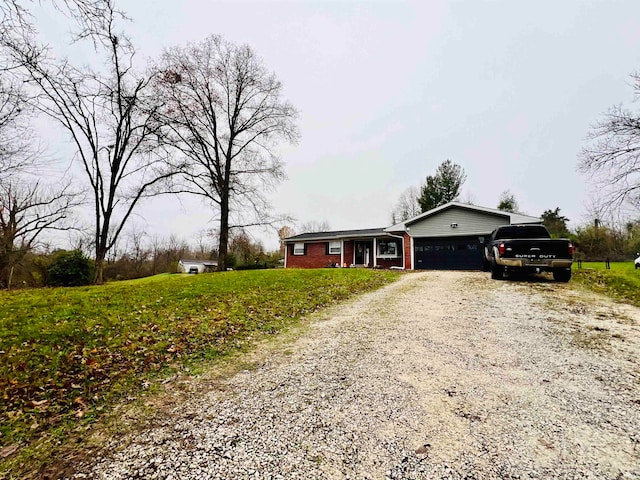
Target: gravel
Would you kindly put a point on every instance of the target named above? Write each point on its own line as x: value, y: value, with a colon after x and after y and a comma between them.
x: 443, y: 375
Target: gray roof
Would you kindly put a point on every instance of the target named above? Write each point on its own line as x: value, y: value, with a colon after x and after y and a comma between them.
x: 513, y: 217
x: 338, y: 234
x: 201, y: 262
x: 401, y: 227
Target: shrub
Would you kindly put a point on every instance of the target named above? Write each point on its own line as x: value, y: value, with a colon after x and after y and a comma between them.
x: 70, y: 269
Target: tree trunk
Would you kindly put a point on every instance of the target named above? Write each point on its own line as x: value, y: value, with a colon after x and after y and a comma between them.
x: 224, y: 234
x: 10, y: 278
x: 101, y: 254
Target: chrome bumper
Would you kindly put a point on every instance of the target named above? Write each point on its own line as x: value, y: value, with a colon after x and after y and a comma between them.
x: 526, y: 263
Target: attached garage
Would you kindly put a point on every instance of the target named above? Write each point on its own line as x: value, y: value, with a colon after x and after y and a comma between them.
x: 451, y: 237
x: 448, y: 253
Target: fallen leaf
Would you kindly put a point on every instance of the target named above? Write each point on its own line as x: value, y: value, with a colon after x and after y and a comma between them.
x: 423, y: 449
x: 8, y: 450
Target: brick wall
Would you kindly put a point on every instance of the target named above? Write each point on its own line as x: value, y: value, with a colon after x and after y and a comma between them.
x: 389, y: 262
x: 315, y: 257
x: 348, y: 252
x: 407, y: 252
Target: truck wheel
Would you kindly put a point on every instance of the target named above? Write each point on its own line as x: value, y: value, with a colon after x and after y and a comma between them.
x: 562, y: 275
x: 496, y: 271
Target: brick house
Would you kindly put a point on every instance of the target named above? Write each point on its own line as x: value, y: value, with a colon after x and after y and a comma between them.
x: 449, y: 237
x: 362, y: 248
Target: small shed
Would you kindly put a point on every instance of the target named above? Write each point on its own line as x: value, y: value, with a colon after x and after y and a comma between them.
x: 197, y: 266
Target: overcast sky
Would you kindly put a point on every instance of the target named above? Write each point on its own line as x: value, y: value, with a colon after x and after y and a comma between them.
x: 388, y: 90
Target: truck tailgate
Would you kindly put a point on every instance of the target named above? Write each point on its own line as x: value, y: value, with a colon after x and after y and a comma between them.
x: 532, y: 248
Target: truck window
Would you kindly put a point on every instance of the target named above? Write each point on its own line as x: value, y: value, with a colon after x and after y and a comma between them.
x: 522, y: 231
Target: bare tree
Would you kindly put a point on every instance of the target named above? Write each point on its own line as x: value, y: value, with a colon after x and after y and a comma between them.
x: 137, y: 250
x: 284, y: 232
x: 26, y: 211
x: 314, y: 226
x: 203, y: 247
x: 27, y: 208
x: 16, y: 17
x: 226, y: 116
x: 407, y: 205
x: 109, y: 114
x: 469, y: 198
x: 612, y: 156
x: 18, y: 151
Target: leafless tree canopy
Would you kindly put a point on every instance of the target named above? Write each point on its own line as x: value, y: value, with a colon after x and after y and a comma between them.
x: 226, y: 116
x: 407, y: 205
x: 612, y: 156
x: 109, y: 114
x: 314, y: 226
x: 16, y: 18
x: 18, y: 149
x: 27, y: 207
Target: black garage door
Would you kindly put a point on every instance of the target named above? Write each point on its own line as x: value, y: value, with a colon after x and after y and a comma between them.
x: 451, y: 253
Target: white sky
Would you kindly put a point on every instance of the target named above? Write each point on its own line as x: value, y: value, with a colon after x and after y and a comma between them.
x: 388, y: 90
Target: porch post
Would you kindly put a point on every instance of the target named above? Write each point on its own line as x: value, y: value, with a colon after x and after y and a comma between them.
x: 342, y: 253
x: 404, y: 267
x: 413, y: 261
x: 374, y: 252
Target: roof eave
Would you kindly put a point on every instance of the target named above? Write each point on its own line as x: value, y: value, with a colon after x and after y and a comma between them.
x: 335, y: 237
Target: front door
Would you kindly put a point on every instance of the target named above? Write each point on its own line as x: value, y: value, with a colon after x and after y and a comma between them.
x: 363, y: 253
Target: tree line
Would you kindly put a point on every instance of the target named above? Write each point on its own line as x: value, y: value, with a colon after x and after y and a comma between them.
x: 203, y: 119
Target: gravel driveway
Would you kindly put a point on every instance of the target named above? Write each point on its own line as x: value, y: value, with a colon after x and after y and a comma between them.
x: 440, y: 375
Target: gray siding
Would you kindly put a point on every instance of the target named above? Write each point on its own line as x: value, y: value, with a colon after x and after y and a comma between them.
x: 469, y: 223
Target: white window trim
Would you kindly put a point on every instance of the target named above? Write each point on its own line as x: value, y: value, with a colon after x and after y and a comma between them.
x: 296, y: 246
x: 397, y: 254
x: 337, y: 246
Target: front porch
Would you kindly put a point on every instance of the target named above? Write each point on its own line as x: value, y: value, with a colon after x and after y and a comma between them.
x: 371, y: 248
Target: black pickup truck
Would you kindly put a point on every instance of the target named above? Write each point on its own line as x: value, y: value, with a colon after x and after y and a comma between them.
x: 527, y: 249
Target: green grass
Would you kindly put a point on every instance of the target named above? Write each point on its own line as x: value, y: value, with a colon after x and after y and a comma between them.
x: 69, y: 354
x: 622, y: 281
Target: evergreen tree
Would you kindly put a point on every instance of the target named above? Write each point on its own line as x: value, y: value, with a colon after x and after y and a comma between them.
x: 555, y: 223
x: 508, y: 202
x: 442, y: 187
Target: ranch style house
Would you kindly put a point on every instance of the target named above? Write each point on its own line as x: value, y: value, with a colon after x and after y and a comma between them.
x: 449, y: 237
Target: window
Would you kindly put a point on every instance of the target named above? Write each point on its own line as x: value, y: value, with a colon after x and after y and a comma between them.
x: 335, y: 248
x: 298, y: 248
x: 388, y: 248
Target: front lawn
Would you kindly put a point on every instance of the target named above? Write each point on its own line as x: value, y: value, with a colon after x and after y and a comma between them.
x: 621, y: 281
x: 69, y: 354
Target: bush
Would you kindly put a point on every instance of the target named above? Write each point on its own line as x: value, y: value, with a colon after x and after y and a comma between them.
x: 70, y: 269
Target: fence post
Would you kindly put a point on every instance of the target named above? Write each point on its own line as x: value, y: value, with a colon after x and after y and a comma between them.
x: 580, y: 264
x: 608, y: 264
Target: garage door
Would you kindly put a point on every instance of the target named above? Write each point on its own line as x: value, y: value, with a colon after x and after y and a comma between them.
x: 451, y: 253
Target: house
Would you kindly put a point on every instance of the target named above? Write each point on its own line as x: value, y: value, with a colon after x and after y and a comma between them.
x: 449, y: 237
x: 361, y: 248
x: 196, y: 266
